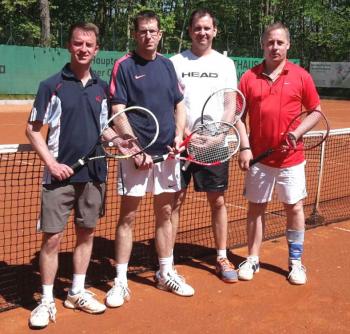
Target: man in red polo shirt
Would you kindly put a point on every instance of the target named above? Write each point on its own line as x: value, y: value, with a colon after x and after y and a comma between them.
x: 276, y: 90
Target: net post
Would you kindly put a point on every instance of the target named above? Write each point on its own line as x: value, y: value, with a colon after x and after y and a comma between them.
x: 315, y: 218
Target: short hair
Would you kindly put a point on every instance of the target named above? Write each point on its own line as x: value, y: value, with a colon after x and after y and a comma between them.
x: 275, y: 26
x: 87, y: 26
x: 198, y: 13
x: 145, y: 15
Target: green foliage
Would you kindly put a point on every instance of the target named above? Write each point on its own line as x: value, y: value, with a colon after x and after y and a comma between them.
x: 320, y: 30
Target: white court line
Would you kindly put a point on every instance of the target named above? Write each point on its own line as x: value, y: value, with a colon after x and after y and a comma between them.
x: 19, y: 162
x: 342, y: 229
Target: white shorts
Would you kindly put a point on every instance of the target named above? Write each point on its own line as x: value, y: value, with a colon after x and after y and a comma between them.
x: 163, y: 177
x: 261, y: 180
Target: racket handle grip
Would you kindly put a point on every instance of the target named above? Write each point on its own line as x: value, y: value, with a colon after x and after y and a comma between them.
x: 185, y: 166
x: 260, y: 157
x: 79, y: 163
x: 159, y: 158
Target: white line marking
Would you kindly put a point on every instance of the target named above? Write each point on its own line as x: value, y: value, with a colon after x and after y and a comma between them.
x: 342, y: 229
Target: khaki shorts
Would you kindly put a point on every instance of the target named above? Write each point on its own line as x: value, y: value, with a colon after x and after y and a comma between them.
x: 289, y: 183
x: 57, y: 201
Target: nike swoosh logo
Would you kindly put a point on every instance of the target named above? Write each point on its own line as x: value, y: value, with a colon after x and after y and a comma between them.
x: 139, y: 76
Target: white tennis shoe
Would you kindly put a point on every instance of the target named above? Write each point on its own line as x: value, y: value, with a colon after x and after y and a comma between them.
x: 175, y: 283
x: 247, y: 269
x: 84, y: 301
x: 117, y: 294
x: 43, y: 314
x: 297, y: 273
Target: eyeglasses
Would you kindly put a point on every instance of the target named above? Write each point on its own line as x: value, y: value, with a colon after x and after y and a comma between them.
x: 152, y: 32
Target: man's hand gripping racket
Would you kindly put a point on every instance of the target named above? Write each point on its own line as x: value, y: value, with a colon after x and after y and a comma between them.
x: 295, y: 136
x: 210, y: 144
x: 126, y: 134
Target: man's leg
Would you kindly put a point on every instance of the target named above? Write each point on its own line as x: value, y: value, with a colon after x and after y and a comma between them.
x: 78, y: 297
x: 179, y: 199
x: 163, y: 204
x: 218, y: 218
x: 224, y: 268
x: 48, y: 263
x: 255, y: 233
x: 123, y: 246
x: 295, y: 238
x: 167, y: 278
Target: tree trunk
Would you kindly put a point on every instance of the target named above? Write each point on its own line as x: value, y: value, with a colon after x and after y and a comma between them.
x: 45, y: 22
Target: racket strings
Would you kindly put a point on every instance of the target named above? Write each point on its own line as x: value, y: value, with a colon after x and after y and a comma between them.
x: 297, y: 134
x: 227, y: 102
x: 215, y: 142
x: 131, y: 131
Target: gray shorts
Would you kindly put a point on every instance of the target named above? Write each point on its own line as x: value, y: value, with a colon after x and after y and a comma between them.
x: 57, y: 201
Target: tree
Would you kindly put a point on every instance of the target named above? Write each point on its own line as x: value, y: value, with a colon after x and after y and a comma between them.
x: 45, y: 22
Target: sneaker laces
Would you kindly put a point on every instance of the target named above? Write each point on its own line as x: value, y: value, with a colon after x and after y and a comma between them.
x: 225, y: 264
x: 47, y: 307
x: 125, y: 291
x: 296, y: 267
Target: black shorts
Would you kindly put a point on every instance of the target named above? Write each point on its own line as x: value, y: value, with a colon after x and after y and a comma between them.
x: 206, y: 179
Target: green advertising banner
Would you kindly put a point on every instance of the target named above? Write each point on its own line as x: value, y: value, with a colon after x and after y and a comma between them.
x: 22, y: 67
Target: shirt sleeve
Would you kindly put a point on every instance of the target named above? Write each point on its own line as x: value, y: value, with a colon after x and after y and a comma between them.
x: 231, y: 79
x: 310, y: 97
x: 42, y: 104
x: 117, y: 85
x: 178, y: 95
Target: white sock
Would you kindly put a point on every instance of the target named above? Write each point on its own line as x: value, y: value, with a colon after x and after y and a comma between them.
x: 78, y: 283
x: 172, y: 257
x: 122, y: 271
x: 253, y: 258
x: 221, y: 253
x: 47, y: 292
x: 165, y: 265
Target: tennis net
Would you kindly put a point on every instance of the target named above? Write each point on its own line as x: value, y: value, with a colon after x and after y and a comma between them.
x: 328, y: 184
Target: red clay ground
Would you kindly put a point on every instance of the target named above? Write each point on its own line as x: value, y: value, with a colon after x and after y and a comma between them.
x: 268, y: 304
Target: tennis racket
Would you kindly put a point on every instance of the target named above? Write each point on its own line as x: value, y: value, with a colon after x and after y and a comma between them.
x: 210, y: 144
x: 295, y: 138
x: 127, y: 133
x: 226, y: 103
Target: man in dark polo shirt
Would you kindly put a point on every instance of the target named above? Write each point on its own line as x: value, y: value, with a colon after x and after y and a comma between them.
x: 73, y: 103
x: 147, y: 79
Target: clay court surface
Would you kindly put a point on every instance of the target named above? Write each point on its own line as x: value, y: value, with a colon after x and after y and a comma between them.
x: 268, y: 304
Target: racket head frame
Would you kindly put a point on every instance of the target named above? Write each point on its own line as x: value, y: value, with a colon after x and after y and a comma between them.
x: 221, y: 91
x: 234, y: 136
x: 324, y: 131
x: 323, y: 134
x: 120, y: 114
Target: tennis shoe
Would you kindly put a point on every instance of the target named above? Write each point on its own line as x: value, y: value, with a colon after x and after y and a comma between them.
x: 247, y: 269
x: 84, y: 301
x: 175, y: 283
x: 297, y: 273
x: 225, y: 270
x: 43, y: 314
x: 118, y: 294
